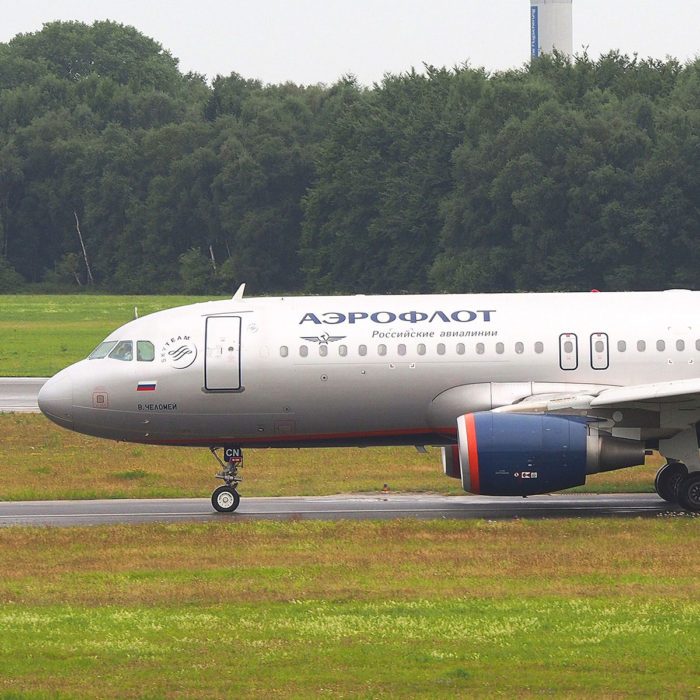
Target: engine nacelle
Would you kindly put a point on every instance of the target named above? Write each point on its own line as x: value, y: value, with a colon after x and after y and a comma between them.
x: 509, y: 454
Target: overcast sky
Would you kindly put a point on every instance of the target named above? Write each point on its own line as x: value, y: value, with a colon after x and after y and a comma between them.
x: 312, y: 41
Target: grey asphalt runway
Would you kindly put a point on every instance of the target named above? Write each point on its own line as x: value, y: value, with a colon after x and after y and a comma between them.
x: 18, y: 394
x: 384, y: 507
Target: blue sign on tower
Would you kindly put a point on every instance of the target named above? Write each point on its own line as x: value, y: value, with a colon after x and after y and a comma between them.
x: 534, y: 32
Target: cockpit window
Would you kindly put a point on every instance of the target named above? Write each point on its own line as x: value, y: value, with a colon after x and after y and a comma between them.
x: 124, y: 351
x: 102, y: 350
x: 145, y: 352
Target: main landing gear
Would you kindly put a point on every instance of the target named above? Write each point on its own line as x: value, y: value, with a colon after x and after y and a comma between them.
x: 676, y: 485
x: 226, y: 498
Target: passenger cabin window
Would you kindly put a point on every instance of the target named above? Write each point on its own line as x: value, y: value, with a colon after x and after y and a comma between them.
x: 323, y: 350
x: 519, y: 348
x: 441, y: 348
x: 303, y: 351
x: 680, y: 345
x: 402, y: 349
x: 124, y: 351
x: 480, y: 348
x: 641, y: 345
x: 660, y: 345
x: 421, y: 348
x: 381, y: 349
x: 621, y: 346
x: 500, y: 348
x: 102, y: 350
x: 343, y: 350
x: 284, y: 351
x: 145, y: 352
x: 539, y: 347
x: 362, y: 350
x: 461, y: 348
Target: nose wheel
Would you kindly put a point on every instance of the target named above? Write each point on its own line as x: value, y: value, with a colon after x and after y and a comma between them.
x: 226, y: 498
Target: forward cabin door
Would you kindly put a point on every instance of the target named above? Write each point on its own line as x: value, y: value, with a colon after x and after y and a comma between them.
x: 222, y: 361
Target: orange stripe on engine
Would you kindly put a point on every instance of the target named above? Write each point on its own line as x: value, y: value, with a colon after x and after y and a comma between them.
x: 473, y: 452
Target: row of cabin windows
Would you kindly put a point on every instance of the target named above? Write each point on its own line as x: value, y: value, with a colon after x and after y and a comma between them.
x: 660, y: 345
x: 480, y: 348
x: 421, y: 349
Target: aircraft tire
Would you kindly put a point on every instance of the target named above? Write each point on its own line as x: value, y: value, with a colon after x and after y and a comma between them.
x: 668, y: 480
x: 689, y: 492
x: 225, y: 499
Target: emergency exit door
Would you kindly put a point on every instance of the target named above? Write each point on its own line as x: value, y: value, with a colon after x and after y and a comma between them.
x: 222, y: 362
x: 568, y: 351
x: 600, y: 354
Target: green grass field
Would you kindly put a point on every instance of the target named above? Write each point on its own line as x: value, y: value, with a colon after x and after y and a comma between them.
x: 405, y: 609
x: 42, y: 461
x: 41, y: 334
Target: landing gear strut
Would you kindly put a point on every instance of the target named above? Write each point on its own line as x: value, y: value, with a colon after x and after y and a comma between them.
x: 226, y: 498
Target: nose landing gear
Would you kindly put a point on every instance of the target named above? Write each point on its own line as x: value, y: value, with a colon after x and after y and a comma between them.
x: 226, y: 499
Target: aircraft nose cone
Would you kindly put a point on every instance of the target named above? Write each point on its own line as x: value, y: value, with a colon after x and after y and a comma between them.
x: 56, y: 400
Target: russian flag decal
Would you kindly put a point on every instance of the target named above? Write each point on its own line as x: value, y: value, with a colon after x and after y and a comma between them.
x: 146, y: 386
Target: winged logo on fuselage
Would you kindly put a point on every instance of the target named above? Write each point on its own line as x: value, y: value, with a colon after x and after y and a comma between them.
x: 323, y: 339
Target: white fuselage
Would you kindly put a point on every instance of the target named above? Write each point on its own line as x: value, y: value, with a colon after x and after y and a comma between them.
x: 368, y: 369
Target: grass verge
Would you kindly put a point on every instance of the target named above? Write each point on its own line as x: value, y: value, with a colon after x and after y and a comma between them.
x: 42, y: 461
x: 41, y: 334
x: 308, y: 609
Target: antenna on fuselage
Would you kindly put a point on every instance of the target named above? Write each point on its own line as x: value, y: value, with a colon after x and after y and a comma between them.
x: 238, y: 296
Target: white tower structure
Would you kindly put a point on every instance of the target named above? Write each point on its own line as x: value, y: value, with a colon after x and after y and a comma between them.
x: 551, y: 27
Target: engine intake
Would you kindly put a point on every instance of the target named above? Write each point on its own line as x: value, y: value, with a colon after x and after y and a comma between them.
x: 502, y: 454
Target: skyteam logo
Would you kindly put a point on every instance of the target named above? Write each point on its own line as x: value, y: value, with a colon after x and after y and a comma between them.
x: 179, y: 352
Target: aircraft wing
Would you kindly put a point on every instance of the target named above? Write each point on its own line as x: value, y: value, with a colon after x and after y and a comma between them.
x: 683, y: 393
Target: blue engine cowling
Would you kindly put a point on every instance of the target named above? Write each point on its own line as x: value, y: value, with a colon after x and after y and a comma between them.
x: 509, y: 454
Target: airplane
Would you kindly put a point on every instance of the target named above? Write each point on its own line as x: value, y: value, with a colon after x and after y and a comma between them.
x: 524, y: 393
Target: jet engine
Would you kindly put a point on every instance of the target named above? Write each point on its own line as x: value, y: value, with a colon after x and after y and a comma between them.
x: 507, y: 454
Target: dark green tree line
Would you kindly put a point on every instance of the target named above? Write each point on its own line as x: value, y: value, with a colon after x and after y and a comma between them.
x: 564, y: 174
